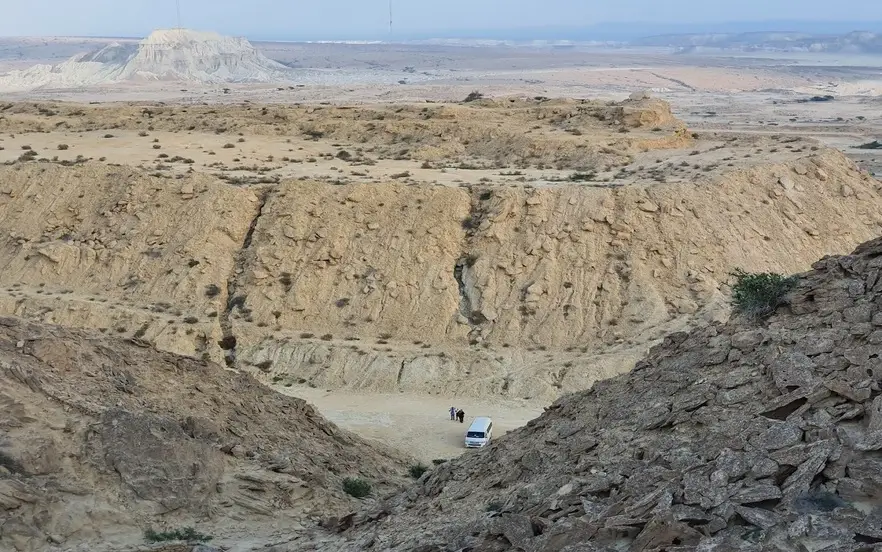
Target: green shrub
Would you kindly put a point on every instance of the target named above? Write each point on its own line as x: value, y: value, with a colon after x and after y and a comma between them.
x: 417, y: 470
x: 356, y: 487
x: 187, y: 534
x: 757, y: 295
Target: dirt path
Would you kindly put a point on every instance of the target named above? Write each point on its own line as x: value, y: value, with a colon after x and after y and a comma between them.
x: 417, y: 425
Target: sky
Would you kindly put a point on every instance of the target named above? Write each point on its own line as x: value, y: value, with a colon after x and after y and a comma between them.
x: 293, y: 19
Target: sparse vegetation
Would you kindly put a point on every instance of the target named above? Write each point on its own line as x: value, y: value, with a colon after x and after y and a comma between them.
x: 473, y: 97
x: 757, y: 295
x: 63, y: 147
x: 356, y: 487
x: 439, y: 461
x: 212, y: 290
x: 186, y: 534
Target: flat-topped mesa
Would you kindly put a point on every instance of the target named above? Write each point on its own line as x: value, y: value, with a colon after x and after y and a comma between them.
x: 200, y: 56
x: 172, y: 54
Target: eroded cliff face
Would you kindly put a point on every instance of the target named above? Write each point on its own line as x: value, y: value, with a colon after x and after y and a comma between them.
x: 525, y: 290
x: 114, y: 249
x: 749, y: 435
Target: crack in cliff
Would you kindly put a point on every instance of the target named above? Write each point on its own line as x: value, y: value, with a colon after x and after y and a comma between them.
x: 400, y: 374
x: 478, y: 212
x: 235, y: 301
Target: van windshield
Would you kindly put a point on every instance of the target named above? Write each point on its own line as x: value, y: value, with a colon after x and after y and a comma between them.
x: 475, y: 435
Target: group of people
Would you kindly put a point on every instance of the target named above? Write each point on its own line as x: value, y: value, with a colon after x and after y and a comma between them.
x: 456, y: 414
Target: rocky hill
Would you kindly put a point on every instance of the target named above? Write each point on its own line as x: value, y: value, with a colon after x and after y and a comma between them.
x: 499, y: 286
x: 750, y: 435
x: 102, y: 438
x: 173, y: 55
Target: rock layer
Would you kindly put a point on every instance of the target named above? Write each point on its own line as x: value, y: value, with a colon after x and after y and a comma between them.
x: 424, y: 288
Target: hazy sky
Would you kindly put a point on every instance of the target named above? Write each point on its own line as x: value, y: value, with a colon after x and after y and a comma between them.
x: 293, y: 18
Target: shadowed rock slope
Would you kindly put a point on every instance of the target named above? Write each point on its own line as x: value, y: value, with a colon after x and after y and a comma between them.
x: 101, y: 438
x: 743, y: 436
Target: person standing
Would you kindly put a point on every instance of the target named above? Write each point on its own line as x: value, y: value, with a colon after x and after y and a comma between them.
x: 461, y: 415
x: 452, y: 414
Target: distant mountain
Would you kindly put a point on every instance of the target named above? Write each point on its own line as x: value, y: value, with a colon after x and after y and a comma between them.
x: 611, y: 31
x: 857, y: 42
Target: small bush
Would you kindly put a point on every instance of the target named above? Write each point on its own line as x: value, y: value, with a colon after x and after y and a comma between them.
x: 356, y: 487
x: 757, y: 295
x: 187, y: 534
x: 473, y: 97
x: 211, y: 290
x: 417, y: 470
x: 229, y: 146
x: 108, y: 135
x: 439, y: 461
x: 63, y: 147
x: 494, y: 506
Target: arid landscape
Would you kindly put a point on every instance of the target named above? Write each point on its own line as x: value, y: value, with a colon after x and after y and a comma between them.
x: 287, y: 269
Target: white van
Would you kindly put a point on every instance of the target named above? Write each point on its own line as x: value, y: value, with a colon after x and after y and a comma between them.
x: 479, y: 433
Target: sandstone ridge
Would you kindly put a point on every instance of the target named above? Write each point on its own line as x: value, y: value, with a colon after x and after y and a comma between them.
x: 423, y: 288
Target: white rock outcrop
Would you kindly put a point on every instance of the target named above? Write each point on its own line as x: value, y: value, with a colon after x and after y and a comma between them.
x: 172, y: 55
